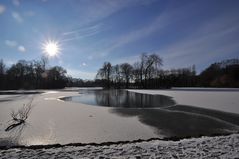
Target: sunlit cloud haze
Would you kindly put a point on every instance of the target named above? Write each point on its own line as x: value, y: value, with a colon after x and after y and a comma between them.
x: 21, y: 48
x: 90, y: 32
x: 2, y: 8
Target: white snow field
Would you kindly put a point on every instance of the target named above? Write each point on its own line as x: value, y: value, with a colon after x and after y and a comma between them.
x: 204, y: 147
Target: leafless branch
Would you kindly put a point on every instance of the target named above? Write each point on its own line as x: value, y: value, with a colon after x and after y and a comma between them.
x: 19, y: 117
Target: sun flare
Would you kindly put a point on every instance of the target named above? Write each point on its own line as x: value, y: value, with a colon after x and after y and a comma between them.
x: 51, y: 48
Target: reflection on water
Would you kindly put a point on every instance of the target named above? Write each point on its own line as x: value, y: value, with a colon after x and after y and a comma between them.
x: 169, y: 119
x: 121, y: 98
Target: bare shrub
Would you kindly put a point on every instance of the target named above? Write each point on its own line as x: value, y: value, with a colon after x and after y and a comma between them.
x: 19, y: 117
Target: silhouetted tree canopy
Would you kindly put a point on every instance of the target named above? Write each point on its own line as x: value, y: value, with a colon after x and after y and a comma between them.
x: 126, y: 75
x: 126, y: 71
x: 105, y: 73
x: 221, y: 74
x: 32, y: 75
x: 144, y: 73
x: 147, y: 73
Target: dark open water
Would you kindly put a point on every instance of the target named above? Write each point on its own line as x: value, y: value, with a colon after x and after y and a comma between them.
x: 162, y: 113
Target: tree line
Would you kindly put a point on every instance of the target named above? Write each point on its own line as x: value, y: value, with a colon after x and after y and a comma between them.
x: 221, y: 74
x: 32, y: 75
x: 147, y: 73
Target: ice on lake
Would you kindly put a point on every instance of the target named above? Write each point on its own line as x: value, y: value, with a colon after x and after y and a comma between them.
x: 68, y: 116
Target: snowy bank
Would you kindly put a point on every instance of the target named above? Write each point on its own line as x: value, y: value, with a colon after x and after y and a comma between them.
x: 204, y: 147
x: 223, y: 99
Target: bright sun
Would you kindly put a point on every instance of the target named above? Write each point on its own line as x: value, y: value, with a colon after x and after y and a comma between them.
x: 51, y: 48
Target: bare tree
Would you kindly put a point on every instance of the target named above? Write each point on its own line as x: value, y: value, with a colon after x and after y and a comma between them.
x: 2, y: 74
x: 137, y: 72
x: 148, y: 66
x: 105, y: 72
x: 153, y: 62
x: 126, y: 71
x: 142, y: 67
x: 116, y: 75
x: 2, y: 67
x: 44, y: 62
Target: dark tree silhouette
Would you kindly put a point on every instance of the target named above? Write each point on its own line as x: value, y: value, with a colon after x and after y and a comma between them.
x: 145, y: 73
x: 126, y: 75
x: 32, y: 75
x: 117, y: 79
x: 105, y: 72
x: 147, y: 68
x: 56, y: 77
x: 126, y: 71
x: 221, y: 74
x: 2, y: 74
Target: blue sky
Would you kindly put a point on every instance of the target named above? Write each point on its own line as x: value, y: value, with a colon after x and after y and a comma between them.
x: 90, y: 32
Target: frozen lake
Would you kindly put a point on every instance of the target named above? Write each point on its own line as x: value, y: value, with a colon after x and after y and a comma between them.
x: 121, y: 99
x: 170, y: 113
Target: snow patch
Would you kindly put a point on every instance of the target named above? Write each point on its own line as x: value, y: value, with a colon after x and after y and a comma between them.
x: 204, y: 147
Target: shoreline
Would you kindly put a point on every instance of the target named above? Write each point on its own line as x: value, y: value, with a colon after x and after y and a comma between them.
x: 109, y: 143
x: 204, y: 147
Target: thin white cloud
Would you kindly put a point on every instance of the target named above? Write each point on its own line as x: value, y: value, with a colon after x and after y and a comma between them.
x: 21, y: 48
x: 82, y: 32
x: 17, y: 17
x: 212, y: 40
x: 11, y: 43
x: 16, y: 2
x: 2, y: 9
x: 83, y: 64
x: 85, y: 29
x: 129, y: 59
x: 95, y: 10
x: 209, y: 42
x: 158, y: 24
x: 15, y: 45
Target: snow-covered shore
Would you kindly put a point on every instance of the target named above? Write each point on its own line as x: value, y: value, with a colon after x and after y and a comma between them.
x: 204, y: 147
x: 223, y: 99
